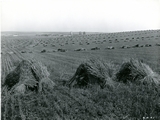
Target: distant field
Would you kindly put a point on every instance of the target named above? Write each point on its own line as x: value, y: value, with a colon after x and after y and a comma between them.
x: 26, y: 45
x: 62, y: 53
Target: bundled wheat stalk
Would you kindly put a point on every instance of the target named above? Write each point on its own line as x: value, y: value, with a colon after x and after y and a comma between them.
x: 29, y: 75
x: 20, y: 88
x: 40, y: 70
x: 45, y: 83
x: 42, y: 75
x: 92, y: 71
x: 136, y: 71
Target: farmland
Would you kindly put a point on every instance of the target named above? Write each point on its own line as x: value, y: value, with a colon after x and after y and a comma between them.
x: 62, y: 53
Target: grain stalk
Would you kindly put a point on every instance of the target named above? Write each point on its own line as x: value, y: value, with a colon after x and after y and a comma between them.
x: 20, y: 109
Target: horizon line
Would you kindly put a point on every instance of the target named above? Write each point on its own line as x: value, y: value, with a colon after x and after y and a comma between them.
x: 86, y: 31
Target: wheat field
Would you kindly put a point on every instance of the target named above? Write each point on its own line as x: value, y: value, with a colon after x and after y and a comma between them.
x: 62, y: 53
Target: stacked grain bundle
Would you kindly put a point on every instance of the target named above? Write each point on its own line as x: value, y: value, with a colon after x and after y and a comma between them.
x: 93, y: 71
x: 41, y: 73
x: 28, y: 76
x: 138, y: 72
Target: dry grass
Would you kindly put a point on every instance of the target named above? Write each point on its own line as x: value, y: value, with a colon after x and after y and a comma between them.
x: 123, y: 101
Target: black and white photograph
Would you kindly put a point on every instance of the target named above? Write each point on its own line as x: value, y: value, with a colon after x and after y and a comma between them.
x: 80, y: 59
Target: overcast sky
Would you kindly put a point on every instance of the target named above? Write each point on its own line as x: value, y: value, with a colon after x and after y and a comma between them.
x: 80, y: 15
